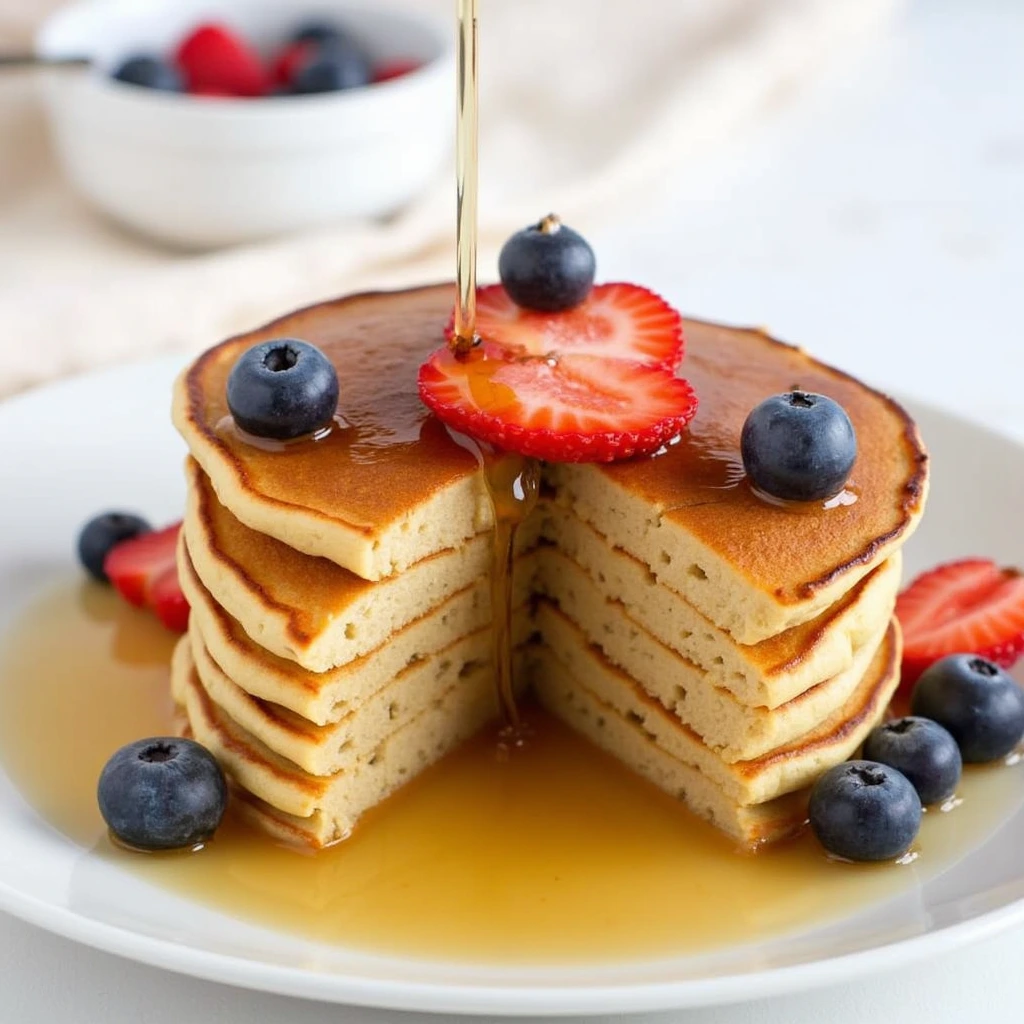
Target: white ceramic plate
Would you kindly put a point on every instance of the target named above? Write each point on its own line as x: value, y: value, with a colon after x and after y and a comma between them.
x: 104, y: 440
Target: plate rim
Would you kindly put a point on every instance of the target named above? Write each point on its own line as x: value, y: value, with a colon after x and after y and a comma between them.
x: 503, y: 1000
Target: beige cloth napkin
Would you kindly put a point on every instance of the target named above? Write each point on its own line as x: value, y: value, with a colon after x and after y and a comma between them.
x: 588, y: 107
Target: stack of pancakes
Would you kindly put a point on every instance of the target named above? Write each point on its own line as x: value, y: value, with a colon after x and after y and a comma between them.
x: 726, y: 648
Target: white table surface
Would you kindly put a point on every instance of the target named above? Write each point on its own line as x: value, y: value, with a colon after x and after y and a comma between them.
x: 878, y: 220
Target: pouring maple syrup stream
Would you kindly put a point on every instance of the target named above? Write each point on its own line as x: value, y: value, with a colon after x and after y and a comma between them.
x: 466, y: 175
x: 512, y: 480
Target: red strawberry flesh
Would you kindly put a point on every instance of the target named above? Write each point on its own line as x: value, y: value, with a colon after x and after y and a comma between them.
x: 566, y: 408
x: 971, y: 606
x: 135, y: 564
x: 616, y: 321
x: 166, y: 598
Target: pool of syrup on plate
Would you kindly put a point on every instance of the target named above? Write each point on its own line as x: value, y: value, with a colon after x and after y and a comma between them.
x: 556, y: 854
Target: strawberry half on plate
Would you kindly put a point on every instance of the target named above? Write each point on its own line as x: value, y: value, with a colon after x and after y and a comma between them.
x: 594, y: 384
x: 144, y: 572
x: 967, y: 607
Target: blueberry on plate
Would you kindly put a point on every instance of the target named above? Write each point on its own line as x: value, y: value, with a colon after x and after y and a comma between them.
x: 979, y: 703
x: 334, y: 66
x: 102, y: 534
x: 922, y: 751
x: 798, y: 446
x: 282, y: 389
x: 162, y: 793
x: 862, y: 810
x: 149, y: 72
x: 547, y: 267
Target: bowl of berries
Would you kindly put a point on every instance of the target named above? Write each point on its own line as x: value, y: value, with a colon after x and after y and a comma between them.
x: 204, y: 123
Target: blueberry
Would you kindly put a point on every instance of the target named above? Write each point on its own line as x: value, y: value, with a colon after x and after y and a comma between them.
x: 923, y: 751
x: 100, y: 535
x: 150, y: 73
x: 547, y: 267
x: 162, y: 794
x: 282, y: 389
x: 798, y: 446
x: 862, y: 810
x: 336, y: 65
x: 979, y: 703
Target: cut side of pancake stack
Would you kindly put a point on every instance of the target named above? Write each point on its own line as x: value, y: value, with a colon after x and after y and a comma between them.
x: 340, y: 639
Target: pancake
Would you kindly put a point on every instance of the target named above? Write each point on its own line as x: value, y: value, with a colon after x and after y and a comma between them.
x: 769, y: 673
x: 332, y: 804
x: 323, y: 697
x: 396, y: 697
x: 753, y: 567
x: 263, y: 691
x: 311, y: 610
x: 390, y: 489
x: 576, y: 667
x: 615, y: 715
x: 757, y: 801
x: 733, y: 730
x: 393, y: 488
x: 341, y: 745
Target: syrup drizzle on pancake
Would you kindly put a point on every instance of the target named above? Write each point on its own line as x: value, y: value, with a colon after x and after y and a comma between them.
x: 513, y: 483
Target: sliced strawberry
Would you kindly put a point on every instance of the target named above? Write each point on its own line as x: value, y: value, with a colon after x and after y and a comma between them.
x: 568, y: 408
x: 213, y: 57
x: 970, y: 606
x: 134, y: 565
x: 398, y: 68
x: 616, y: 321
x: 165, y: 597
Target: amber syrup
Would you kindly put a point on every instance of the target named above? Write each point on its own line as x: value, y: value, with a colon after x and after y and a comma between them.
x: 467, y: 173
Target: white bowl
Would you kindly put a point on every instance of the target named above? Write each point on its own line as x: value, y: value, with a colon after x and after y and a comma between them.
x: 200, y: 172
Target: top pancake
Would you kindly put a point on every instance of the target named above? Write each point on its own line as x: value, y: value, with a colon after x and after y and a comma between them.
x: 393, y: 487
x: 390, y: 489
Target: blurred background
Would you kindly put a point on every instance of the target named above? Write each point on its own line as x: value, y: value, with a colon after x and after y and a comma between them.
x: 848, y: 172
